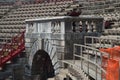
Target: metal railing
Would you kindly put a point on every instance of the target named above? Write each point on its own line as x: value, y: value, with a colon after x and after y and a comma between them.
x: 76, y: 68
x: 90, y: 60
x: 87, y: 62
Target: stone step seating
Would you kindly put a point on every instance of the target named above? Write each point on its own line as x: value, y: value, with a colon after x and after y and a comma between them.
x: 4, y: 9
x: 12, y: 27
x: 98, y: 45
x: 90, y: 52
x: 103, y: 41
x: 115, y: 39
x: 16, y: 19
x: 11, y: 30
x: 110, y: 36
x: 112, y: 32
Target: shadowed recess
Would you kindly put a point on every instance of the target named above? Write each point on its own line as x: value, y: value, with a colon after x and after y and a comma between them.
x: 42, y: 65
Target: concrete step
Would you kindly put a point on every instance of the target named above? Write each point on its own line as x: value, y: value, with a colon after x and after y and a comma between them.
x: 62, y: 74
x: 83, y: 69
x: 51, y: 79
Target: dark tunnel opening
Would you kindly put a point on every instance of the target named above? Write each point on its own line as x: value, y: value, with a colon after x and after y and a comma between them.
x: 42, y: 67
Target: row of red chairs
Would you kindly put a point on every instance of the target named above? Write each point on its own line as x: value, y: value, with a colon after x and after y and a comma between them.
x: 10, y: 50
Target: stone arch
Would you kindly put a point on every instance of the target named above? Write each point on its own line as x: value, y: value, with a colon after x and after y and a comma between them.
x: 42, y: 66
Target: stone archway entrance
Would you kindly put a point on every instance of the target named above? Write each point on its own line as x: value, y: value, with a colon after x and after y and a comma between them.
x: 42, y: 67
